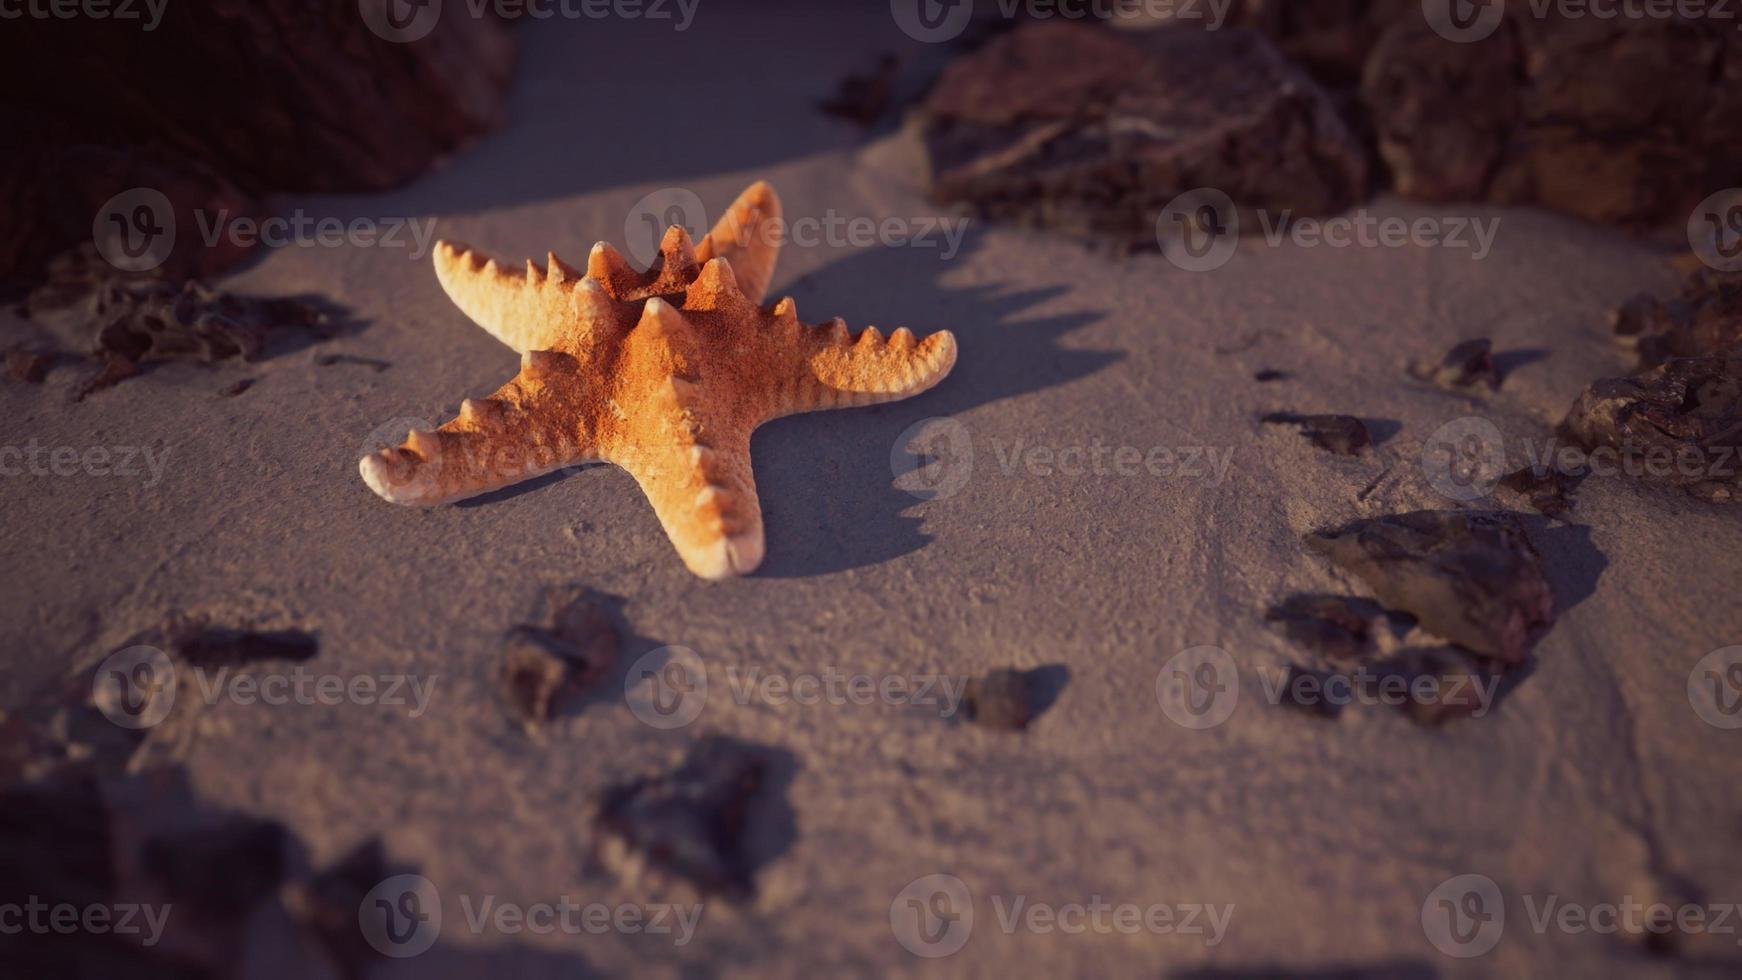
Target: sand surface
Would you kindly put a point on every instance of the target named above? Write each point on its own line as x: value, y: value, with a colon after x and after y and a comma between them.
x: 1594, y: 780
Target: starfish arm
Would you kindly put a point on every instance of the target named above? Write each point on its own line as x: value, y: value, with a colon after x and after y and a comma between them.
x: 700, y: 483
x: 526, y: 429
x: 527, y: 309
x: 826, y: 367
x: 749, y: 237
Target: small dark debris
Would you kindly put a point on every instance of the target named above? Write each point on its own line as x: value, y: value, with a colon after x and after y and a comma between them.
x: 1548, y: 490
x: 1344, y: 435
x: 27, y: 366
x: 1456, y: 674
x: 1333, y: 626
x: 238, y: 386
x: 1467, y: 364
x: 329, y: 360
x: 864, y: 99
x: 218, y: 647
x: 1004, y: 699
x: 1271, y: 374
x: 1472, y: 577
x: 546, y: 668
x: 1705, y: 319
x: 693, y: 822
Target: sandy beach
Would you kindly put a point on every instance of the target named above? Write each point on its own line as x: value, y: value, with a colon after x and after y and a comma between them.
x: 1032, y: 538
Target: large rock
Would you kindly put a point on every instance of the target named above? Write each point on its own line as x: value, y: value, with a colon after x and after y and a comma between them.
x: 1628, y: 121
x: 1092, y: 131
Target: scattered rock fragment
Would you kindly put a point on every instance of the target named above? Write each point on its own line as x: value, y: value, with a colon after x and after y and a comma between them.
x: 1271, y: 374
x: 1471, y: 577
x: 1679, y: 423
x: 1462, y: 686
x: 1704, y: 319
x: 1469, y: 363
x: 115, y: 370
x: 1343, y: 435
x: 1333, y: 626
x: 130, y: 319
x: 1092, y: 132
x: 692, y: 822
x: 1005, y: 699
x: 237, y: 387
x: 546, y: 668
x: 1549, y: 490
x: 209, y: 647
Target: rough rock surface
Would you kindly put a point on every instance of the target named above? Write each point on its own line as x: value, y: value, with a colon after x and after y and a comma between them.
x: 1092, y: 132
x: 1471, y: 577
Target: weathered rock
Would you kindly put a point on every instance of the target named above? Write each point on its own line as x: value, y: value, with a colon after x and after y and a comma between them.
x: 1548, y: 489
x: 1091, y: 132
x: 1004, y: 699
x: 1679, y: 423
x: 1470, y: 577
x: 1620, y: 120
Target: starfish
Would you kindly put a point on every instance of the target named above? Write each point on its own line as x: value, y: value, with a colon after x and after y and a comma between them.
x: 665, y: 373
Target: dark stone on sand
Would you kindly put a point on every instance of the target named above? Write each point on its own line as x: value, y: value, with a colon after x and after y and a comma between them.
x: 238, y: 386
x: 1092, y: 132
x: 1471, y: 577
x: 547, y: 668
x: 1705, y: 319
x: 1679, y: 423
x: 1333, y: 626
x: 1344, y: 435
x: 114, y: 370
x: 693, y: 822
x: 225, y: 647
x: 1004, y: 699
x: 1270, y: 374
x: 1468, y: 363
x: 1548, y: 490
x: 221, y: 870
x: 1455, y: 675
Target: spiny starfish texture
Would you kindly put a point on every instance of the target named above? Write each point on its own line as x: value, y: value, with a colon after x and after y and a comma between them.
x: 665, y: 373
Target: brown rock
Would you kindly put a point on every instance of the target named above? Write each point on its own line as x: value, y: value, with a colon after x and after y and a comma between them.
x: 1344, y: 435
x: 1091, y: 131
x: 1679, y: 423
x: 1704, y: 319
x: 1468, y: 363
x: 1471, y: 577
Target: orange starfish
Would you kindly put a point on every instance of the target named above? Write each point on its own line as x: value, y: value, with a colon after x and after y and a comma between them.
x: 664, y: 373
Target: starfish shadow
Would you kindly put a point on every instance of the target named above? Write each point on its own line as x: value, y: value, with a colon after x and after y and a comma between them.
x: 827, y: 480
